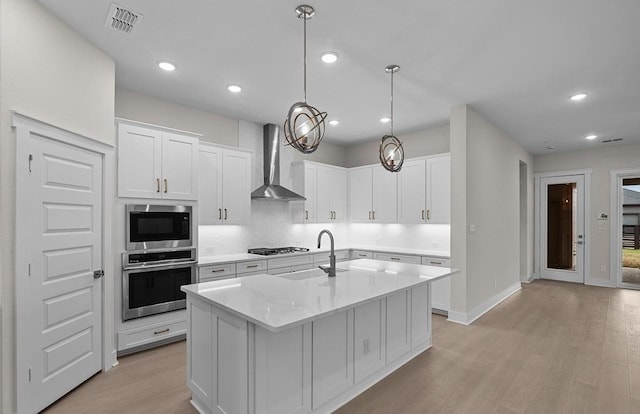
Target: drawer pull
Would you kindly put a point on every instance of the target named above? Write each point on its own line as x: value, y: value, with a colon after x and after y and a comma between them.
x: 362, y: 255
x: 158, y: 185
x: 252, y: 266
x: 437, y: 263
x: 306, y: 212
x: 219, y: 214
x: 422, y: 214
x: 217, y: 270
x: 225, y: 213
x: 395, y: 258
x: 161, y: 331
x: 166, y: 185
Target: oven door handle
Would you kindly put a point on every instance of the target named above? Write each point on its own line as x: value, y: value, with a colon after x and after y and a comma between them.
x: 163, y: 265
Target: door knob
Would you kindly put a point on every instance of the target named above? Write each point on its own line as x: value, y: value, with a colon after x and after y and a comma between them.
x: 98, y: 274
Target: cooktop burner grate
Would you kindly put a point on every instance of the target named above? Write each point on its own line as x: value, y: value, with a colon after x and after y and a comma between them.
x: 266, y: 251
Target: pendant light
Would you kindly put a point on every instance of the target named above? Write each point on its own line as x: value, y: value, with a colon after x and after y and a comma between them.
x: 304, y: 126
x: 391, y: 151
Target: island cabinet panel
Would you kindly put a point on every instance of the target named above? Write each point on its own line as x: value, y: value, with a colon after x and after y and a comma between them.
x: 200, y: 335
x: 230, y: 392
x: 332, y: 356
x: 283, y: 370
x: 420, y: 315
x: 369, y: 343
x: 398, y: 325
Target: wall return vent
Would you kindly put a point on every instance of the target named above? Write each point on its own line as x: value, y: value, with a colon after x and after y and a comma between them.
x: 121, y: 19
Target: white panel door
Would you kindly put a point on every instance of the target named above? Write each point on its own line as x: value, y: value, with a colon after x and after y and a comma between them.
x: 139, y: 162
x: 236, y: 187
x: 439, y: 190
x: 324, y: 212
x: 179, y: 167
x: 412, y: 192
x: 339, y: 194
x: 420, y: 315
x: 360, y: 194
x: 66, y: 248
x: 209, y: 185
x: 369, y: 343
x: 562, y: 228
x: 310, y: 188
x: 385, y: 196
x: 398, y: 328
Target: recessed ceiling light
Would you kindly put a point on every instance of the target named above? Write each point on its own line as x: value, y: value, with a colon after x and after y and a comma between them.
x: 591, y: 137
x: 168, y: 66
x: 329, y: 57
x: 578, y: 97
x: 385, y: 119
x: 334, y: 122
x: 234, y: 88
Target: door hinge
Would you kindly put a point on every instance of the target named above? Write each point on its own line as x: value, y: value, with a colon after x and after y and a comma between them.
x: 29, y: 374
x: 30, y: 160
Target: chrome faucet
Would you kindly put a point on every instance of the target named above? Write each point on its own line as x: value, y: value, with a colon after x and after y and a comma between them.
x: 331, y: 271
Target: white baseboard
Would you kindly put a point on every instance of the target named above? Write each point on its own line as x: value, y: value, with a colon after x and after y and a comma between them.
x: 527, y: 278
x: 478, y: 311
x: 601, y: 283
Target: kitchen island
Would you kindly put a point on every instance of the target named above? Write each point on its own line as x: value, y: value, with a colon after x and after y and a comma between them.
x: 304, y: 342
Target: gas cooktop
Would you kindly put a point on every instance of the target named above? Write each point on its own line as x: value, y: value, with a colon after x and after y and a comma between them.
x: 266, y: 251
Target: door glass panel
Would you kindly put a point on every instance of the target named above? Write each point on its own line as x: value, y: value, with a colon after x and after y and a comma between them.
x: 561, y: 226
x: 631, y: 231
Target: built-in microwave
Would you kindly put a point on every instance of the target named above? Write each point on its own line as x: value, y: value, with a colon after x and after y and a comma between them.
x: 158, y: 227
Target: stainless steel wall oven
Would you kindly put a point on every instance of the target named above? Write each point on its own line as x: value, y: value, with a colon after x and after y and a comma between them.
x: 151, y: 281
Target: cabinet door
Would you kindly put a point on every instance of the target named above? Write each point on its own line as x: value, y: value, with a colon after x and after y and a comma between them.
x: 332, y: 365
x: 369, y: 344
x: 412, y: 192
x: 385, y: 196
x: 420, y: 315
x: 324, y: 212
x: 339, y: 195
x: 236, y: 187
x: 139, y: 162
x: 309, y: 213
x: 439, y: 190
x: 179, y: 167
x: 398, y: 328
x: 210, y: 185
x: 360, y: 195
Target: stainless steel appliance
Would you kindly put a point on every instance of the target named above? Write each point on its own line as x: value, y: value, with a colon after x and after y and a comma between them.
x: 151, y: 281
x: 158, y: 227
x: 269, y: 251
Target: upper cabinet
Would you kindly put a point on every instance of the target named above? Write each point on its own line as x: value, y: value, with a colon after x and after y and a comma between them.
x: 373, y: 193
x: 325, y: 189
x: 424, y: 191
x: 224, y: 185
x: 156, y: 163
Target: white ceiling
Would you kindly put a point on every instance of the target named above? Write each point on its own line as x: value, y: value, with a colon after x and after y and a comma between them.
x: 516, y: 61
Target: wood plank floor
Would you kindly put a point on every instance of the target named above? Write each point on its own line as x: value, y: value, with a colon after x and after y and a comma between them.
x: 551, y: 348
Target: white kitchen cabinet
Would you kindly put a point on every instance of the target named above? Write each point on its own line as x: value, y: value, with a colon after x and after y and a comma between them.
x: 369, y: 342
x: 440, y: 289
x: 372, y: 195
x: 361, y: 254
x: 323, y: 258
x: 216, y: 272
x: 156, y: 163
x: 424, y: 191
x: 304, y: 183
x: 420, y: 315
x: 401, y: 258
x: 398, y: 324
x: 224, y: 185
x: 331, y: 194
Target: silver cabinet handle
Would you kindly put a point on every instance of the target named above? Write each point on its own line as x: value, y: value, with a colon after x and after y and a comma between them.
x: 219, y: 214
x: 422, y: 214
x: 157, y: 185
x: 166, y: 185
x: 362, y: 255
x: 373, y: 214
x: 225, y: 213
x: 217, y: 270
x: 252, y: 266
x: 395, y: 258
x: 161, y: 331
x: 369, y: 215
x: 428, y: 214
x: 306, y: 214
x: 435, y: 263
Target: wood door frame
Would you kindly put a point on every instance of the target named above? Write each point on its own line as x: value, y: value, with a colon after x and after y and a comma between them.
x: 24, y: 127
x: 538, y: 214
x: 615, y: 242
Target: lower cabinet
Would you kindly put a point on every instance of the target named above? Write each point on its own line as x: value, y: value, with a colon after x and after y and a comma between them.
x: 441, y: 289
x: 398, y: 335
x: 369, y: 346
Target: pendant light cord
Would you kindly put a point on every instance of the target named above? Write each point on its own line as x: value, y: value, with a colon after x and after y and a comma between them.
x: 304, y: 17
x: 392, y: 102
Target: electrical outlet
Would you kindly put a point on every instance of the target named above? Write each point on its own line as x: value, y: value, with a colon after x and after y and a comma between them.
x: 495, y: 282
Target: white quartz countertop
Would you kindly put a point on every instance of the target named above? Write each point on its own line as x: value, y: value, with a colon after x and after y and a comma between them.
x: 243, y: 257
x: 280, y: 302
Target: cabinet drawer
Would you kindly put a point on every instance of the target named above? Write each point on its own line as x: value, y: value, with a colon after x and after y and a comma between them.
x: 322, y: 258
x: 361, y: 254
x: 252, y: 266
x: 436, y: 261
x: 290, y: 269
x: 149, y: 334
x: 259, y: 272
x: 289, y: 261
x: 225, y: 270
x: 402, y: 258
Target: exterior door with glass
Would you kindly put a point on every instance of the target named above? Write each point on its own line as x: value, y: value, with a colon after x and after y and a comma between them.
x: 562, y: 228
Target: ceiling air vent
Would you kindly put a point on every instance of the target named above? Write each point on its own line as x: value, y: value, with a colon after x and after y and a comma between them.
x: 121, y: 19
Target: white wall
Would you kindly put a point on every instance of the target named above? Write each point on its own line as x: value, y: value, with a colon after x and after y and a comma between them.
x: 601, y: 160
x: 48, y: 72
x: 486, y: 186
x: 416, y: 144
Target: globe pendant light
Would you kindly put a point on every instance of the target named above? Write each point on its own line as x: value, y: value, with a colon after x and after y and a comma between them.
x: 304, y: 126
x: 391, y: 151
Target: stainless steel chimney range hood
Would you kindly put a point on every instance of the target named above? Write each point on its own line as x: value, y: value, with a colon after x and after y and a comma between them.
x: 272, y: 190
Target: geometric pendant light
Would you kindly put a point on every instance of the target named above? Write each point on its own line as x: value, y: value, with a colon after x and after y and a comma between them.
x: 391, y: 152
